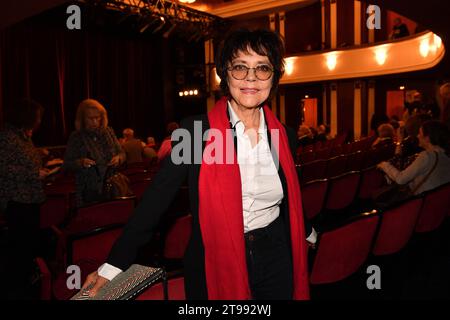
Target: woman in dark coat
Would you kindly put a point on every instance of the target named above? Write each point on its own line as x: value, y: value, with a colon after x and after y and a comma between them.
x: 93, y: 152
x: 248, y: 236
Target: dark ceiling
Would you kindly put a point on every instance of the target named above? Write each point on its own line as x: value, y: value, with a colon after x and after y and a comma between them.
x: 433, y: 14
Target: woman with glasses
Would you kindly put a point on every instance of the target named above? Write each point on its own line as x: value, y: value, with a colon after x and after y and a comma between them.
x: 248, y: 235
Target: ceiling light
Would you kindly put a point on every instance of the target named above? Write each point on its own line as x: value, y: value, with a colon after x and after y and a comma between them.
x: 289, y: 68
x: 381, y: 55
x: 424, y: 48
x: 331, y: 62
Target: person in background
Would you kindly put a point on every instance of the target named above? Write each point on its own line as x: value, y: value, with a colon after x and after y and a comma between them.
x: 408, y: 147
x: 149, y: 149
x: 133, y: 147
x: 323, y: 133
x: 166, y: 145
x: 93, y: 152
x: 386, y: 136
x: 304, y: 136
x: 248, y: 236
x: 376, y: 120
x: 21, y: 196
x: 434, y: 138
x: 399, y: 30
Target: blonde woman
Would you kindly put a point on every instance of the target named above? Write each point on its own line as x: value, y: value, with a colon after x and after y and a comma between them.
x: 93, y: 151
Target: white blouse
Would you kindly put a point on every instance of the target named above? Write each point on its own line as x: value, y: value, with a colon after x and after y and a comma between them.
x: 262, y: 191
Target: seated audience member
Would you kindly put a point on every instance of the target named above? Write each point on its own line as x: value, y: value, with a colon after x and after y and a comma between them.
x: 151, y: 143
x: 133, y: 147
x: 166, y: 145
x: 408, y: 145
x: 399, y: 30
x: 149, y: 149
x: 376, y: 120
x: 304, y: 136
x: 434, y: 138
x: 323, y: 133
x: 386, y: 135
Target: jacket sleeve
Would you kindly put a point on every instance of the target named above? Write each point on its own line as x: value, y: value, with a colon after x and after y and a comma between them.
x: 155, y: 201
x: 118, y: 150
x: 419, y: 166
x: 73, y: 156
x: 9, y: 169
x: 292, y: 137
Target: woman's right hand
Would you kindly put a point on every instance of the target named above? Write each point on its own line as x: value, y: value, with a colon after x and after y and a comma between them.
x: 96, y: 281
x: 87, y: 163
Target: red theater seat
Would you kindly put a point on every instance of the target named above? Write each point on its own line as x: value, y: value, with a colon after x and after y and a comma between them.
x: 175, y: 288
x: 312, y: 171
x: 397, y: 227
x: 342, y: 251
x: 177, y: 238
x: 336, y: 166
x: 342, y: 191
x: 313, y: 197
x: 88, y: 251
x: 435, y: 208
x: 101, y: 214
x: 372, y: 179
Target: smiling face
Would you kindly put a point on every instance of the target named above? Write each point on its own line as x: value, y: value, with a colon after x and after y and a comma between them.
x: 249, y: 92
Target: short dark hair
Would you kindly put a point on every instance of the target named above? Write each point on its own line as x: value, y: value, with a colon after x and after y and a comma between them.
x: 24, y: 114
x: 263, y: 42
x: 437, y: 132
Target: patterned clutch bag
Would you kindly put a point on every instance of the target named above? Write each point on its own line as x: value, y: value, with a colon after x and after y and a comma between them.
x: 127, y: 284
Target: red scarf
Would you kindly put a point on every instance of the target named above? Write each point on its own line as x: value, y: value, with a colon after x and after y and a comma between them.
x: 221, y: 214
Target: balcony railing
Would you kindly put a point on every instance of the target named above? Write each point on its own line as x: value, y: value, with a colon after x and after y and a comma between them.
x: 418, y: 52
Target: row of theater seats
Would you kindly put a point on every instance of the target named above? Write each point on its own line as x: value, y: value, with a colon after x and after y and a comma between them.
x: 59, y: 206
x: 84, y: 235
x: 331, y: 143
x: 330, y: 148
x: 342, y: 250
x: 337, y: 194
x: 360, y: 160
x: 89, y: 248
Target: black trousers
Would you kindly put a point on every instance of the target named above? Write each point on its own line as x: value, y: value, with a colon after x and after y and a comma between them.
x: 269, y: 262
x: 22, y: 245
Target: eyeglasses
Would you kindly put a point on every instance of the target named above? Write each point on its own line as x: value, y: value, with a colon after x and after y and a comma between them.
x: 240, y: 72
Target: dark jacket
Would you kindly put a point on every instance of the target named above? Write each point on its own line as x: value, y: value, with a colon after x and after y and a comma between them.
x: 157, y: 199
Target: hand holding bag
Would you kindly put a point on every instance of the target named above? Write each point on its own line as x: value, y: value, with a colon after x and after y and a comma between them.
x: 128, y: 284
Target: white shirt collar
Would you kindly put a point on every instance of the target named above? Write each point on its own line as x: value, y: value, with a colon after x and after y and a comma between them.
x: 234, y: 119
